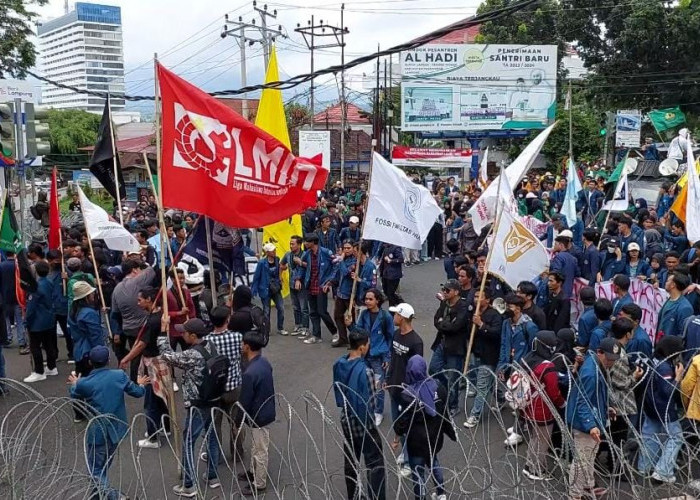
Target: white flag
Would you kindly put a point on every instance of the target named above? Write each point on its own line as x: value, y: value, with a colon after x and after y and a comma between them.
x: 620, y: 199
x: 399, y: 211
x: 99, y: 227
x: 692, y: 207
x: 484, y: 210
x: 573, y: 188
x: 483, y: 174
x: 516, y: 255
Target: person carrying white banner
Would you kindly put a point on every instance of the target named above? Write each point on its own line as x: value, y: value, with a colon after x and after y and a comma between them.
x: 99, y: 227
x: 399, y: 211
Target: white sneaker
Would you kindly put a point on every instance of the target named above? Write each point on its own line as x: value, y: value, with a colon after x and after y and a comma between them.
x: 283, y: 332
x: 296, y: 331
x: 435, y: 496
x: 668, y: 480
x: 175, y: 387
x: 513, y: 439
x: 471, y: 422
x: 313, y: 340
x: 51, y: 373
x: 147, y: 443
x: 71, y: 361
x: 378, y: 419
x: 405, y: 471
x: 35, y: 377
x: 335, y: 338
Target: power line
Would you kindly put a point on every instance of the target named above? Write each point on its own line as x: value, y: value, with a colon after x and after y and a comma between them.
x: 297, y: 80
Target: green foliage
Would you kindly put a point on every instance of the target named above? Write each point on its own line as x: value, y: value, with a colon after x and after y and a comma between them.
x: 99, y: 197
x: 587, y: 143
x: 297, y: 116
x: 17, y: 52
x: 72, y: 129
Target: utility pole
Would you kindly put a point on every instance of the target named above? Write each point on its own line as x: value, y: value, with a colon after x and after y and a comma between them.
x: 343, y: 103
x: 238, y: 31
x: 19, y: 165
x: 376, y: 124
x: 310, y: 32
x: 268, y: 34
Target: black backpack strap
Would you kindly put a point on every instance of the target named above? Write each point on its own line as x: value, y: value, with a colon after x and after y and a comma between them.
x: 205, y: 353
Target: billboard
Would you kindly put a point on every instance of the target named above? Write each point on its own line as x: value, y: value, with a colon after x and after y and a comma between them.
x: 18, y: 89
x: 433, y: 158
x: 478, y: 87
x: 316, y: 142
x: 628, y: 128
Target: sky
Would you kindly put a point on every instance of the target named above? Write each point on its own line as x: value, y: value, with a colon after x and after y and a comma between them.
x: 187, y: 37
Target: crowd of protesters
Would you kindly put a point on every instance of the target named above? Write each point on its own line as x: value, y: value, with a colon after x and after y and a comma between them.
x: 603, y: 384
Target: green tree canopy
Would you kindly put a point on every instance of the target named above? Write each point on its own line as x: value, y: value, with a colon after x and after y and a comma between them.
x: 17, y: 52
x: 72, y: 129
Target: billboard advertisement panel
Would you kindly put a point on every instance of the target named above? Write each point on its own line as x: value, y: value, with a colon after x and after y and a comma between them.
x: 628, y: 128
x: 316, y: 142
x: 474, y: 87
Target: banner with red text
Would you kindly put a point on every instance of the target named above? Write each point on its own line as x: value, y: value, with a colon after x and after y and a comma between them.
x: 650, y: 299
x: 431, y: 157
x: 216, y: 163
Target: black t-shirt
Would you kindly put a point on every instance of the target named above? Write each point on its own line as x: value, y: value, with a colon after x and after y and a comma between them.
x: 372, y: 317
x: 151, y: 334
x: 402, y: 348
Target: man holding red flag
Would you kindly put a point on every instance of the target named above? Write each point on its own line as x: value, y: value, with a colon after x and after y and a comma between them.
x: 235, y: 172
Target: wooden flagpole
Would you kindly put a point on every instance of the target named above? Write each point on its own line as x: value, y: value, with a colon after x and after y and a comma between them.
x: 348, y: 313
x: 163, y: 230
x: 169, y: 390
x: 97, y: 275
x: 210, y: 257
x: 115, y: 159
x: 499, y: 211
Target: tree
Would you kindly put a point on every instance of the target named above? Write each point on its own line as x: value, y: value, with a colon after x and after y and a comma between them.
x: 642, y: 54
x: 17, y: 52
x: 297, y: 116
x: 72, y: 129
x: 587, y: 143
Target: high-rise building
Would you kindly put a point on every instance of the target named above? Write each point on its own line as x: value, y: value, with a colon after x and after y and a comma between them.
x: 83, y: 49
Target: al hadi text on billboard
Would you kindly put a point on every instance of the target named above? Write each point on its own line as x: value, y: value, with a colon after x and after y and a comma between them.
x: 478, y: 87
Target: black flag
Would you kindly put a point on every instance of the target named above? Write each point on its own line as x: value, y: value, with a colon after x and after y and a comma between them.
x: 102, y: 161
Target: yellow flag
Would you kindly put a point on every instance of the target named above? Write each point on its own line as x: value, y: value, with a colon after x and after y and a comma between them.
x: 684, y: 178
x: 272, y: 120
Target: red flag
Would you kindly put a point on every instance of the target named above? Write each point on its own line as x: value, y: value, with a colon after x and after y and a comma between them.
x: 214, y: 162
x: 54, y: 216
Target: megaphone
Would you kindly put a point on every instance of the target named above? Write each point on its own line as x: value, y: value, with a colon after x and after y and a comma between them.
x: 668, y: 167
x: 631, y: 165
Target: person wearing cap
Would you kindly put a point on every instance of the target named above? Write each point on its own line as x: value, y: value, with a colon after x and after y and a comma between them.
x: 565, y: 263
x: 258, y: 404
x: 40, y: 321
x: 267, y: 284
x: 198, y: 421
x: 300, y: 298
x: 587, y: 410
x: 126, y: 311
x: 405, y: 344
x: 450, y: 345
x: 103, y: 390
x: 85, y: 327
x: 327, y: 235
x: 612, y: 261
x: 662, y: 433
x: 315, y: 274
x: 352, y: 232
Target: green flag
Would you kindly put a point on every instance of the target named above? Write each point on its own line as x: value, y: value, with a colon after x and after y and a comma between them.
x: 615, y: 175
x: 664, y: 119
x: 9, y: 232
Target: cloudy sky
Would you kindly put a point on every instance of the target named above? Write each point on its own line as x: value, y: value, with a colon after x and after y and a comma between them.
x: 186, y: 35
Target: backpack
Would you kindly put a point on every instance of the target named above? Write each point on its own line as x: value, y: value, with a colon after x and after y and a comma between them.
x: 215, y: 375
x: 261, y: 324
x: 521, y: 388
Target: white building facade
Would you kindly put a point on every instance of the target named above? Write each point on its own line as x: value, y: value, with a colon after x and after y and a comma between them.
x: 83, y: 49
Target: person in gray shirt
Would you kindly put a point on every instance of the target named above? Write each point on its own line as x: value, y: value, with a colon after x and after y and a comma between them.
x: 126, y: 312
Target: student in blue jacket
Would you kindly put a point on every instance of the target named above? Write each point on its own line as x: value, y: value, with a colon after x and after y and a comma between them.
x: 621, y: 288
x: 587, y: 415
x: 267, y: 284
x: 343, y: 280
x: 103, y: 390
x: 635, y: 266
x: 588, y: 321
x: 640, y: 343
x: 517, y: 334
x: 41, y: 325
x: 677, y: 308
x: 380, y: 325
x: 603, y: 311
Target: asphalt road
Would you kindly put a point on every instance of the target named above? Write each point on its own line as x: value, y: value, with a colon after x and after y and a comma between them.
x: 41, y: 450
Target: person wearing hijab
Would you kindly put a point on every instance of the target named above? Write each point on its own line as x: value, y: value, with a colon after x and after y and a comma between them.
x: 538, y: 414
x: 424, y: 423
x: 662, y: 434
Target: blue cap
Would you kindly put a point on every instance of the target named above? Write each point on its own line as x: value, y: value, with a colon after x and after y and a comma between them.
x: 99, y: 355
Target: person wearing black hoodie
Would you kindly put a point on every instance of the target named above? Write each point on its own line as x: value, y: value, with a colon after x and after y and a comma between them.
x: 353, y: 387
x: 241, y: 317
x: 425, y: 422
